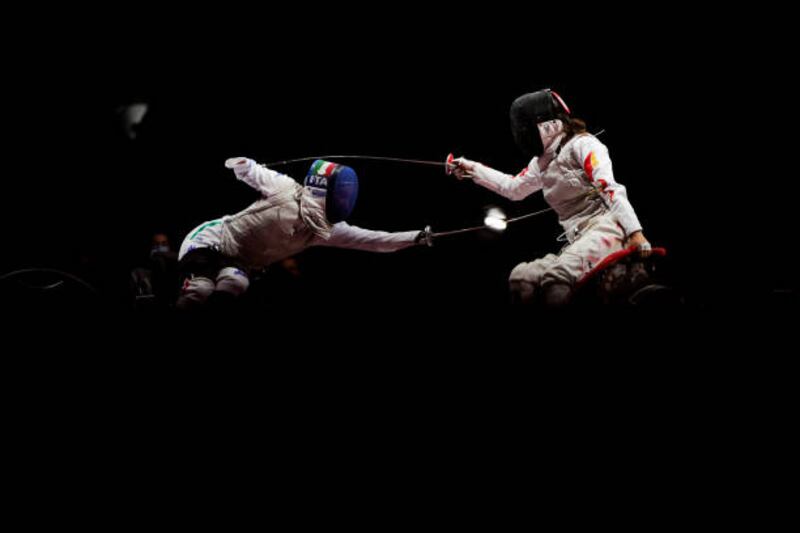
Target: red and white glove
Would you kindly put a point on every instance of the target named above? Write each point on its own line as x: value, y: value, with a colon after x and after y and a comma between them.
x: 464, y: 168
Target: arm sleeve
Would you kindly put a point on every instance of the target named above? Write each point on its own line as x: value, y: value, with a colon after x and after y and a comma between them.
x: 514, y: 188
x: 259, y: 177
x: 344, y: 235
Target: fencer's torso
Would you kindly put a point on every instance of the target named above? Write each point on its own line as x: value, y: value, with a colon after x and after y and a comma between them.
x: 274, y: 228
x: 566, y: 187
x: 269, y: 230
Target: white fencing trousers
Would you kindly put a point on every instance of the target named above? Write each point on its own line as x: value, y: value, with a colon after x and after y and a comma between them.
x: 601, y: 237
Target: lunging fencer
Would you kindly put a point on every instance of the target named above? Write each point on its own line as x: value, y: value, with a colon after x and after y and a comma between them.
x: 217, y: 258
x: 573, y: 169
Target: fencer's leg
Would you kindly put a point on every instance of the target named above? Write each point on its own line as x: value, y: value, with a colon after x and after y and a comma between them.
x: 559, y: 279
x: 195, y: 292
x: 577, y: 259
x: 522, y: 292
x: 231, y: 283
x: 523, y: 282
x: 556, y: 295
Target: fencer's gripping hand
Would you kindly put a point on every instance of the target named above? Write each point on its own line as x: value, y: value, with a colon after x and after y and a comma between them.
x: 241, y: 166
x: 638, y: 240
x: 424, y: 237
x: 464, y: 168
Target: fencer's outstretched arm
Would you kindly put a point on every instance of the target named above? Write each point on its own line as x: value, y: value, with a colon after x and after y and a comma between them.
x: 597, y: 165
x: 344, y: 235
x: 514, y: 188
x: 259, y: 177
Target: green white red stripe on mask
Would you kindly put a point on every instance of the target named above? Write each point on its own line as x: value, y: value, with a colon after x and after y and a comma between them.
x: 323, y: 168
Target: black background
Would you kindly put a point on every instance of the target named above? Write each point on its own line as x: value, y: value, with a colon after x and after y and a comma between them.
x: 697, y: 119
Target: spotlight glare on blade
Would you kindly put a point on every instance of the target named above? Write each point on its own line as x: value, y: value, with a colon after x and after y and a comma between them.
x: 495, y: 219
x: 497, y: 224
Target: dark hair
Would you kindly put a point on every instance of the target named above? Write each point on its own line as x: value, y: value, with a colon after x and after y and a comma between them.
x: 572, y: 127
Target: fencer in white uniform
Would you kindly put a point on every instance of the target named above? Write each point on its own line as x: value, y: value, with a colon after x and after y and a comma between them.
x: 574, y: 171
x: 218, y: 257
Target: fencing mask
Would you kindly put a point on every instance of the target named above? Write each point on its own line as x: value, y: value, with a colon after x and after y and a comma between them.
x: 530, y: 110
x: 337, y: 185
